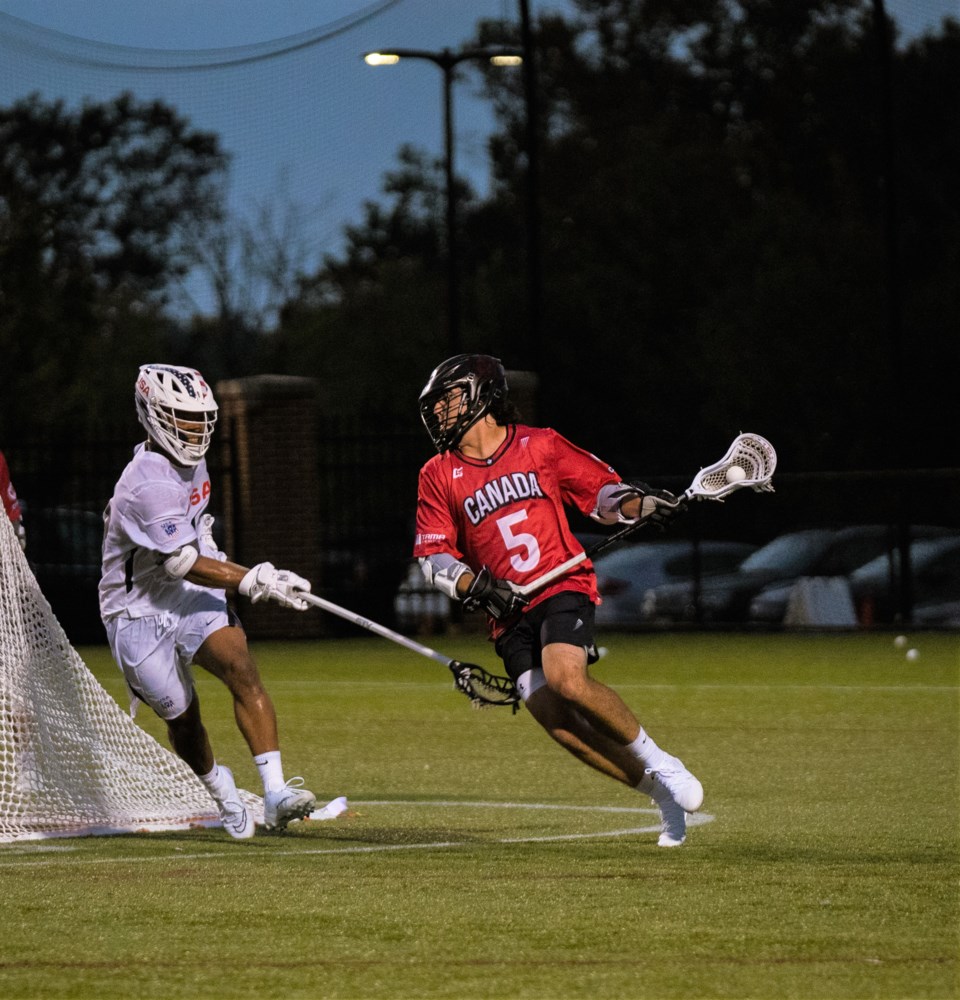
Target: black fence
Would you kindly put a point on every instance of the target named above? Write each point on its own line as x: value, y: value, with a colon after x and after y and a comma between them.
x: 365, y: 499
x: 365, y: 504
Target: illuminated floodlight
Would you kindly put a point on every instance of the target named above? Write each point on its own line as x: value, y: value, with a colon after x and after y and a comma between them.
x: 381, y: 58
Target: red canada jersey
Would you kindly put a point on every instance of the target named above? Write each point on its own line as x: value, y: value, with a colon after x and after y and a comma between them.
x: 7, y: 493
x: 507, y: 512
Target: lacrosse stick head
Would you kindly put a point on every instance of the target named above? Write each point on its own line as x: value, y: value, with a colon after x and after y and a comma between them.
x: 483, y: 688
x: 752, y: 455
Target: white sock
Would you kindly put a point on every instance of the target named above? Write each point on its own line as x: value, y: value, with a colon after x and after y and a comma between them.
x: 271, y: 770
x: 216, y: 782
x: 646, y: 751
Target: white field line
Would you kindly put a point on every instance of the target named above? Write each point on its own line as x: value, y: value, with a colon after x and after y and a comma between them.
x: 932, y: 688
x: 69, y: 854
x: 633, y: 686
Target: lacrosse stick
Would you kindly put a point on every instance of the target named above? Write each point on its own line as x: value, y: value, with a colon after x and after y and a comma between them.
x: 752, y: 456
x: 479, y: 685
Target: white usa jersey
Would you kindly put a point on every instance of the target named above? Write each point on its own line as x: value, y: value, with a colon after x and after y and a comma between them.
x: 154, y: 510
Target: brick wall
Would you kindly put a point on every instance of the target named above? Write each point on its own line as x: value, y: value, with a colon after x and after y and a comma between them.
x: 267, y: 428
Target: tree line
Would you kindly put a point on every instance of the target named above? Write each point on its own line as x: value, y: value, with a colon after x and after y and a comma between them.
x: 747, y: 219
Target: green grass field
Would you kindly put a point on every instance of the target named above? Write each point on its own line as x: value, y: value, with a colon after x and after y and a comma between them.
x: 479, y: 860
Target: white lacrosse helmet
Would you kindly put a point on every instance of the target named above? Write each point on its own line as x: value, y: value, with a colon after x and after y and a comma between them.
x: 177, y: 409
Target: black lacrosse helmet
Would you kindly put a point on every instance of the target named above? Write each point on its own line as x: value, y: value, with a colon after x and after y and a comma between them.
x: 483, y: 385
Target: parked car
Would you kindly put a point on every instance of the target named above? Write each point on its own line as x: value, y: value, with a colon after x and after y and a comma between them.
x: 626, y: 574
x: 418, y: 606
x: 776, y: 566
x: 938, y: 614
x: 935, y: 579
x: 852, y: 548
x: 725, y: 597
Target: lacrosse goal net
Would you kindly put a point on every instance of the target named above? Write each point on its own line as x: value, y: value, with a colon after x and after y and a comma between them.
x: 72, y: 762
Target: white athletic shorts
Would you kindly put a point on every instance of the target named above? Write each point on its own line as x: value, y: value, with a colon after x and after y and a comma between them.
x: 530, y: 681
x: 155, y: 652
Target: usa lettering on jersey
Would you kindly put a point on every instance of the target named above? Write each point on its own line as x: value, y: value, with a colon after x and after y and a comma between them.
x: 499, y: 492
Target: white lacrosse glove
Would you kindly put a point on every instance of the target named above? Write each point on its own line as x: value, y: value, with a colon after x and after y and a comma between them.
x: 208, y: 546
x: 264, y: 582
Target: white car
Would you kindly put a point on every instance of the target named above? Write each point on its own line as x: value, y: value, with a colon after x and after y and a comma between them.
x: 935, y: 583
x: 626, y: 575
x: 851, y: 549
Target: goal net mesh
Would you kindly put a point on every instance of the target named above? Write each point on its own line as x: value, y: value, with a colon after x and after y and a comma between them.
x: 72, y: 762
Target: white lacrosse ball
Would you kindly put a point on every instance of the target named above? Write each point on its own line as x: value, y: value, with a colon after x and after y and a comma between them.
x: 736, y: 474
x: 913, y: 654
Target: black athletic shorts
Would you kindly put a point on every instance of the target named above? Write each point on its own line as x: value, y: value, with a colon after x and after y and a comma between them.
x: 565, y: 617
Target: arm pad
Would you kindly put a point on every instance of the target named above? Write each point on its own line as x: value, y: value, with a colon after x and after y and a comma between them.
x: 607, y: 510
x: 443, y: 571
x: 179, y: 563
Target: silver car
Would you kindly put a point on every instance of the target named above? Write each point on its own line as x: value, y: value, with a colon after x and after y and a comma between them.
x: 851, y: 549
x: 935, y: 583
x: 624, y: 576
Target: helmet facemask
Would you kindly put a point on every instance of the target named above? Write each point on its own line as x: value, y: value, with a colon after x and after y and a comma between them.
x: 458, y: 394
x: 177, y: 409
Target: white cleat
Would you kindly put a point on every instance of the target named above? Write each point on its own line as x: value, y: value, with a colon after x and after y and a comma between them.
x: 673, y: 820
x: 675, y: 792
x: 681, y: 785
x: 236, y: 818
x: 289, y: 803
x: 333, y: 809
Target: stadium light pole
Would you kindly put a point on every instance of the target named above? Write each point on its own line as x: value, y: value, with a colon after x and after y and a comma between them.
x: 448, y: 60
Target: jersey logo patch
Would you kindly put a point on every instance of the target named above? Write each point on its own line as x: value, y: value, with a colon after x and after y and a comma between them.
x: 169, y: 528
x: 423, y: 539
x: 458, y: 472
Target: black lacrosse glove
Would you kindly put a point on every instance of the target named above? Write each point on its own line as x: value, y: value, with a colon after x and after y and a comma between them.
x: 496, y: 597
x: 657, y: 507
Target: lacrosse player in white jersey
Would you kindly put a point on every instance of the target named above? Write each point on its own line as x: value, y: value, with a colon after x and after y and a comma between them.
x: 163, y: 597
x: 490, y: 518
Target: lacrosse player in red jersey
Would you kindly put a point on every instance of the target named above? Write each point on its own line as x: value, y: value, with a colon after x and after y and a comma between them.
x: 10, y: 502
x: 163, y: 597
x: 490, y: 519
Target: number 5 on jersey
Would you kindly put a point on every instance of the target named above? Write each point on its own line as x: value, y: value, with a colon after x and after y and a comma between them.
x: 519, y: 540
